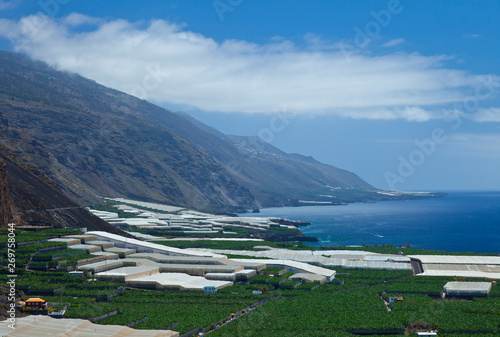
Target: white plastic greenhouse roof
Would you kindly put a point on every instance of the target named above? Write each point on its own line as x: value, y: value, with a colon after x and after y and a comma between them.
x: 466, y: 287
x: 458, y: 259
x: 46, y: 326
x: 122, y: 241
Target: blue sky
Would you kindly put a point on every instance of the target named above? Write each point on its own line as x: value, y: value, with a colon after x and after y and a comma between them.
x: 403, y: 93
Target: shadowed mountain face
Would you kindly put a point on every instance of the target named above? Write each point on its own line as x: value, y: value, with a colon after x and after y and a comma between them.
x: 274, y: 177
x: 95, y: 141
x: 27, y: 196
x: 5, y: 199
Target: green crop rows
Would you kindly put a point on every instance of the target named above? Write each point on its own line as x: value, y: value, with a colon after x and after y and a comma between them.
x: 237, y: 245
x: 482, y: 314
x: 25, y: 236
x: 89, y: 311
x: 420, y: 284
x: 330, y: 310
x: 190, y: 310
x: 289, y: 283
x: 271, y: 270
x: 29, y: 243
x: 261, y: 278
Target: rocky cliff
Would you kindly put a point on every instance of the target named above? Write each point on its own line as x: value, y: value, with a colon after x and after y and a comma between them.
x: 28, y: 197
x: 5, y: 200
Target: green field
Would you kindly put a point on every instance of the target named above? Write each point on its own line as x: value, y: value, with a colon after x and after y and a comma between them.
x: 330, y: 310
x: 355, y: 307
x: 333, y: 310
x: 235, y: 245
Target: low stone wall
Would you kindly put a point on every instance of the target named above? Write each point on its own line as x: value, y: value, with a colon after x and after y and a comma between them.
x: 103, y: 317
x: 138, y: 322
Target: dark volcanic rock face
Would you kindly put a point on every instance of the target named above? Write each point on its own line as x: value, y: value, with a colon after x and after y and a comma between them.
x: 5, y: 201
x: 93, y: 141
x: 33, y: 198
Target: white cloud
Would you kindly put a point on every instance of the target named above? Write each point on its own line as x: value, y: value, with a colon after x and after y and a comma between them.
x: 393, y: 43
x: 77, y: 19
x: 410, y: 113
x: 167, y: 63
x: 487, y: 115
x: 471, y: 36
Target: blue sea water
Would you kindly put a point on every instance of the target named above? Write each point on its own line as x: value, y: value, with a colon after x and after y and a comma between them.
x: 462, y: 222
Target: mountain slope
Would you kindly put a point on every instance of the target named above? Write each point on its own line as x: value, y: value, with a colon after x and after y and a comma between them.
x: 296, y: 175
x: 29, y: 197
x: 5, y: 198
x: 90, y: 142
x: 95, y: 141
x: 274, y: 177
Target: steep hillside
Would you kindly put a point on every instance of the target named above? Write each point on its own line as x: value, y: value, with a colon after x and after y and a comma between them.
x: 30, y: 197
x: 294, y: 175
x: 95, y: 141
x: 274, y: 177
x: 5, y: 199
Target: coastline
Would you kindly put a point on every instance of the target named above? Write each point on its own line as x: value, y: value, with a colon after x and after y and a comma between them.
x: 368, y: 196
x: 463, y: 221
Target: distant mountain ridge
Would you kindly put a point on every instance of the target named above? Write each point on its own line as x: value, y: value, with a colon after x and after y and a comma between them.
x: 276, y: 178
x: 95, y: 141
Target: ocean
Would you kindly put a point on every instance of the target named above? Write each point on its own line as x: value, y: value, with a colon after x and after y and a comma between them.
x: 462, y: 222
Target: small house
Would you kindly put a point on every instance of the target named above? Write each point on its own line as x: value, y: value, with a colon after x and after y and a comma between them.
x: 35, y: 304
x: 209, y: 289
x: 394, y: 299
